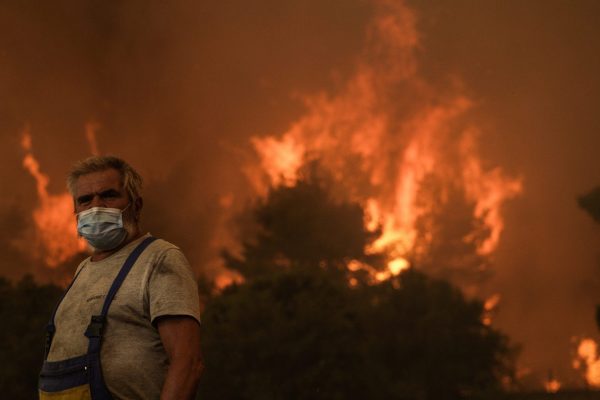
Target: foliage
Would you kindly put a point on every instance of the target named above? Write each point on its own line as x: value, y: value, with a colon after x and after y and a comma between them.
x: 24, y: 311
x: 590, y: 202
x: 427, y: 337
x: 288, y: 335
x: 308, y: 335
x: 298, y: 330
x: 303, y: 226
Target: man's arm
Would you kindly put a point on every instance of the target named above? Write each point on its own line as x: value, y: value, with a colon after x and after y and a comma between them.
x: 180, y: 336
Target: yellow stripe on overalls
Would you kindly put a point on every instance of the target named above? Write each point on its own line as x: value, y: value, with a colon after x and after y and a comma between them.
x: 75, y: 393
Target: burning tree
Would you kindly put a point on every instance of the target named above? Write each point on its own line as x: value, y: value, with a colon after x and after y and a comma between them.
x: 386, y: 134
x: 302, y: 325
x: 304, y: 226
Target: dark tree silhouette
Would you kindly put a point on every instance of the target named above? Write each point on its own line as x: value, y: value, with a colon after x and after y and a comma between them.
x: 590, y: 202
x: 304, y: 335
x: 24, y: 312
x: 290, y: 335
x: 428, y: 340
x: 296, y: 329
x: 304, y: 227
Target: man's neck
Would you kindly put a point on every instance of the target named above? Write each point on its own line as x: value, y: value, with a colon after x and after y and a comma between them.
x: 99, y: 255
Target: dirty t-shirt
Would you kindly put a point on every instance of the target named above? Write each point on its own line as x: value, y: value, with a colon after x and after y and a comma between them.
x: 134, y: 361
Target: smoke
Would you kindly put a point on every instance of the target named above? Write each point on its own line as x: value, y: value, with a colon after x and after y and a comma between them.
x: 179, y: 89
x: 532, y: 68
x: 176, y: 90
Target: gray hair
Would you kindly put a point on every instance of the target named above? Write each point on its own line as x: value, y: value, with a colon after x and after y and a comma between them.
x: 130, y: 179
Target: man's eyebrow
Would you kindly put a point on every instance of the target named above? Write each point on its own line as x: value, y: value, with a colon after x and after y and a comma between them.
x: 109, y: 192
x: 89, y: 196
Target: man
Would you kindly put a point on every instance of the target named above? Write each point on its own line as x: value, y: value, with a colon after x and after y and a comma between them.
x: 150, y: 340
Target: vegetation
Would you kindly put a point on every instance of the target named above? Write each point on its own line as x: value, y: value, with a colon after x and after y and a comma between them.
x: 24, y: 311
x: 297, y: 329
x: 590, y: 202
x: 301, y: 325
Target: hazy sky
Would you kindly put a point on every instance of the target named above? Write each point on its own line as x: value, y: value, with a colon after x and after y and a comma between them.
x: 179, y: 88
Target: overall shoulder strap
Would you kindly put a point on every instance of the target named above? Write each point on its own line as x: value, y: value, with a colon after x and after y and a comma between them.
x: 94, y: 329
x: 51, y: 328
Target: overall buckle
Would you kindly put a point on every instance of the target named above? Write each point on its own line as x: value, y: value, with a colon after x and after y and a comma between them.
x: 95, y: 327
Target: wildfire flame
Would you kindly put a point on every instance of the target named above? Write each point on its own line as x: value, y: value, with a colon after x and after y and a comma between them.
x: 552, y: 386
x: 382, y: 135
x: 587, y: 359
x: 488, y: 308
x: 55, y: 228
x: 90, y: 134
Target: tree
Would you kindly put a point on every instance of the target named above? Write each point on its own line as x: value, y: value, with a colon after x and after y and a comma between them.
x: 590, y: 202
x: 24, y: 311
x: 303, y: 226
x: 429, y: 340
x: 290, y: 335
x: 297, y: 329
x: 300, y: 335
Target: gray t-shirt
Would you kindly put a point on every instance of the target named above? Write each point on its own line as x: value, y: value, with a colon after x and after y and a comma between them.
x: 134, y: 361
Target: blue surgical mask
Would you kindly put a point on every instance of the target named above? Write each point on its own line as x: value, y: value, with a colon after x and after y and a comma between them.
x: 102, y: 227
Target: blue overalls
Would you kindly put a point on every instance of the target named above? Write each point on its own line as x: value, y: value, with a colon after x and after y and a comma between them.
x: 80, y: 378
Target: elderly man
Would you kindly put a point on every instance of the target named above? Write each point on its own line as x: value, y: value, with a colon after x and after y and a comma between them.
x: 128, y: 326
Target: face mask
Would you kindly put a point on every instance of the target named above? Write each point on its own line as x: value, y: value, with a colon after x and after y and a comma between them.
x: 102, y: 227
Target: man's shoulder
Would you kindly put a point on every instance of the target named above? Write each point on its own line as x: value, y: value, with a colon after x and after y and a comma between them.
x: 81, y: 264
x: 162, y: 250
x: 159, y: 251
x: 162, y: 245
x: 159, y: 247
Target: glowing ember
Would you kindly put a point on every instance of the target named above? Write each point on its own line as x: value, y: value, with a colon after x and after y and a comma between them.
x: 54, y: 220
x: 492, y: 302
x: 394, y: 267
x: 225, y: 279
x: 488, y: 308
x: 383, y: 135
x: 355, y: 265
x: 398, y: 265
x: 552, y: 386
x: 587, y: 358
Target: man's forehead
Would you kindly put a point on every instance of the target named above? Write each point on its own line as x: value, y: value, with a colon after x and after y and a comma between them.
x: 99, y: 181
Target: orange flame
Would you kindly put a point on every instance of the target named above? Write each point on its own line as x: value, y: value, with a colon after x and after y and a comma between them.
x: 387, y: 127
x: 552, y: 385
x: 54, y: 220
x: 90, y: 133
x: 489, y: 189
x: 281, y: 159
x: 488, y: 308
x: 587, y: 358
